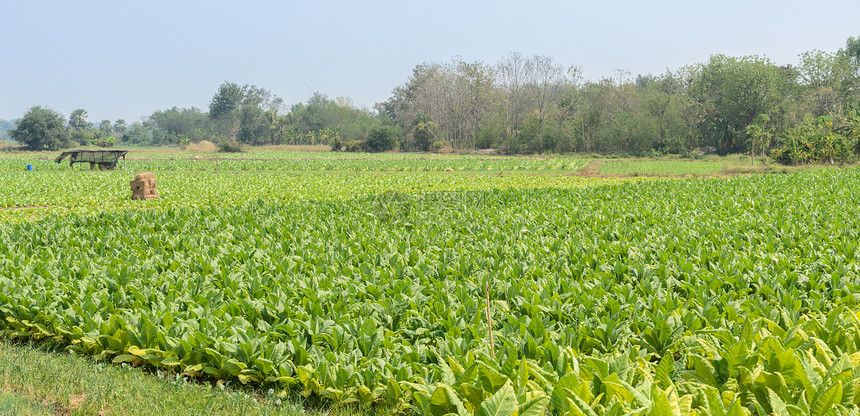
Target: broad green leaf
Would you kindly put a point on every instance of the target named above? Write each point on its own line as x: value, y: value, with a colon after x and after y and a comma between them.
x: 125, y: 358
x: 776, y: 404
x: 826, y: 400
x: 534, y: 407
x: 444, y: 401
x: 490, y: 380
x: 580, y: 405
x: 502, y: 403
x: 662, y: 371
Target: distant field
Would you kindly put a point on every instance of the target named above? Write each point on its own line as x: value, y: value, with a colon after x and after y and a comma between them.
x: 186, y: 181
x: 308, y: 161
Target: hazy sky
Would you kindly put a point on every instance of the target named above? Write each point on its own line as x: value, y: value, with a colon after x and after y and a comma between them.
x: 125, y: 59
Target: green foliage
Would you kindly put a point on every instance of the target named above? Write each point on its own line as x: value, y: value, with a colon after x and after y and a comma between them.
x: 642, y: 298
x: 174, y: 124
x: 309, y: 122
x: 105, y: 127
x: 830, y: 82
x: 78, y: 119
x: 224, y: 179
x: 423, y: 134
x: 437, y: 146
x: 226, y: 101
x: 355, y: 146
x: 41, y: 129
x: 336, y: 144
x: 230, y: 146
x: 759, y: 134
x: 184, y: 142
x: 736, y: 90
x: 381, y: 138
x: 814, y: 141
x: 850, y: 128
x: 138, y: 134
x: 252, y: 127
x: 852, y: 48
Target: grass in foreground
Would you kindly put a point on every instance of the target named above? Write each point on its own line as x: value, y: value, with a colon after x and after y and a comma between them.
x: 12, y: 404
x: 36, y: 382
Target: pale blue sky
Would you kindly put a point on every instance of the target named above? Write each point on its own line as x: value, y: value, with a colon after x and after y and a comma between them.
x: 126, y: 59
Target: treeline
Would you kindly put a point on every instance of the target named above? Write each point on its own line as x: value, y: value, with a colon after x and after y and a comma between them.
x: 728, y: 104
x: 237, y: 115
x: 533, y: 104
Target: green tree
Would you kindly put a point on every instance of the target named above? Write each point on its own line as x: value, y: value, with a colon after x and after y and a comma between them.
x: 119, y: 127
x: 226, y: 101
x: 225, y: 106
x: 736, y: 90
x: 759, y: 134
x: 852, y: 48
x: 42, y: 129
x: 78, y: 119
x: 831, y: 81
x: 106, y: 127
x: 138, y: 133
x: 424, y: 133
x: 382, y: 138
x: 176, y: 122
x: 816, y: 140
x: 252, y: 127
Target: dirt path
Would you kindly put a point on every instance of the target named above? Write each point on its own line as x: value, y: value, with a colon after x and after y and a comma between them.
x: 591, y: 169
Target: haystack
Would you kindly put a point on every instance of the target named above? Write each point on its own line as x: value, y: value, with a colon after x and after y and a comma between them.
x: 143, y: 186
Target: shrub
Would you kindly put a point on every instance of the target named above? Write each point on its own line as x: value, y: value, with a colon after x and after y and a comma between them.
x: 230, y: 146
x: 354, y: 146
x: 813, y: 141
x: 423, y: 134
x: 437, y: 146
x: 381, y: 139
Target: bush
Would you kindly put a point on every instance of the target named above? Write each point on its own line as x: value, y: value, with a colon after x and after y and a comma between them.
x: 437, y: 146
x: 336, y: 144
x: 354, y: 146
x: 423, y: 134
x: 230, y: 146
x: 381, y: 139
x: 813, y: 141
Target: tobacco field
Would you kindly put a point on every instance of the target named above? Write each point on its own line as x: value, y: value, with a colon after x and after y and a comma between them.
x: 723, y: 296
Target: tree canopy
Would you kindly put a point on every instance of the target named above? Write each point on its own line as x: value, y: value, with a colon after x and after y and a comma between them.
x: 42, y: 129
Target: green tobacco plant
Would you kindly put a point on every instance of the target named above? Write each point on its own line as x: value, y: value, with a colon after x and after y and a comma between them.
x: 640, y: 298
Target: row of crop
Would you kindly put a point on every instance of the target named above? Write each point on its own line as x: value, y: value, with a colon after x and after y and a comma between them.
x: 81, y: 192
